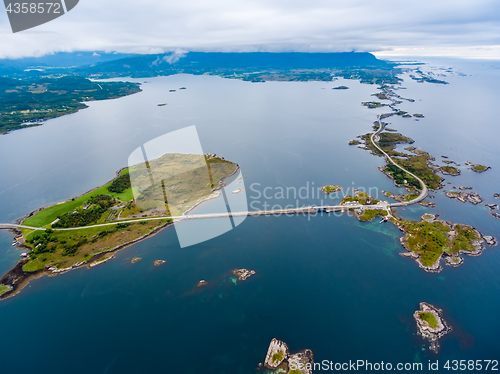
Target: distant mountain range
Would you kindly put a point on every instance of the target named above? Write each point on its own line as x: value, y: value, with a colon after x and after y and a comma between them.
x: 36, y: 89
x: 119, y: 65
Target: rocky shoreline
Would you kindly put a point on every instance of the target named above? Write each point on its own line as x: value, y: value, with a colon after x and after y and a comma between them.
x: 431, y: 324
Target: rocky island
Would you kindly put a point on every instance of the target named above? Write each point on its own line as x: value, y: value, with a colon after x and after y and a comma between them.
x: 465, y: 197
x: 495, y: 215
x: 449, y: 170
x: 202, y: 283
x: 372, y: 104
x: 477, y: 167
x: 430, y: 240
x: 243, y: 274
x: 278, y: 357
x: 431, y: 325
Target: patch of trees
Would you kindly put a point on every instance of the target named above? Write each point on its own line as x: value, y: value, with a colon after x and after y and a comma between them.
x: 400, y: 176
x: 41, y: 243
x: 94, y: 209
x: 120, y: 184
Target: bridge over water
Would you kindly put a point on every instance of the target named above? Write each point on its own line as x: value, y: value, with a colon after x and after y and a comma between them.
x: 299, y: 210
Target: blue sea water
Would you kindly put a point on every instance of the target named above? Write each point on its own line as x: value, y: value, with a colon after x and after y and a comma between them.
x: 328, y: 283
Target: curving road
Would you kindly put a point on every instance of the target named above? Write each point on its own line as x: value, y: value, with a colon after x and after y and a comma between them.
x: 424, y: 192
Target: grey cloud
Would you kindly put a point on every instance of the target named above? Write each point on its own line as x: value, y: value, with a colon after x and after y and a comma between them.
x: 260, y: 25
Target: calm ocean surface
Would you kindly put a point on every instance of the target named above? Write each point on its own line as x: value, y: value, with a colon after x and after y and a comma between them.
x: 326, y: 283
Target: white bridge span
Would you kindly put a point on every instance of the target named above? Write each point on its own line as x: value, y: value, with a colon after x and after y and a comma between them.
x: 303, y: 210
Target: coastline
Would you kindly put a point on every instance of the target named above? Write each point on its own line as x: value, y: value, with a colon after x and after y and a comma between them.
x: 216, y: 193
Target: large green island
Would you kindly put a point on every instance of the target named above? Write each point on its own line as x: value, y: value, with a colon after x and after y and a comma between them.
x: 86, y: 230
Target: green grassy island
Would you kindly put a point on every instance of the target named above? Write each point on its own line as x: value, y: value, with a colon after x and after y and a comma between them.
x: 431, y: 324
x: 480, y: 168
x: 449, y: 170
x: 372, y: 104
x: 84, y: 230
x: 380, y: 96
x: 330, y: 189
x: 340, y: 88
x: 429, y: 240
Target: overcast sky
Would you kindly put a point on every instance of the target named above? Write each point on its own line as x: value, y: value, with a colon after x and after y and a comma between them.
x: 466, y: 28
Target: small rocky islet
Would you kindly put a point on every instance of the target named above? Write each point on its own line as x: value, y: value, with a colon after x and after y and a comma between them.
x: 431, y: 324
x: 279, y: 359
x: 243, y: 274
x: 465, y: 197
x: 478, y: 168
x: 202, y: 283
x: 330, y: 189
